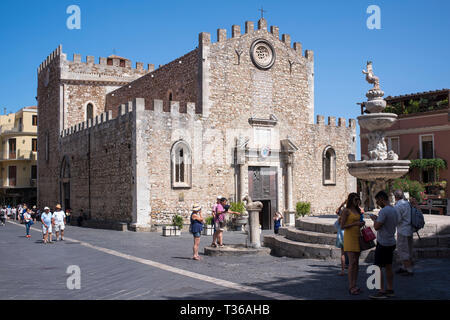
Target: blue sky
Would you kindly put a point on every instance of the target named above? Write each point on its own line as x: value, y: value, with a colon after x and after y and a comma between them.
x: 410, y: 52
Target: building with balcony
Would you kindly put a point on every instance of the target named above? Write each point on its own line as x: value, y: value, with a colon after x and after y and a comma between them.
x: 18, y: 157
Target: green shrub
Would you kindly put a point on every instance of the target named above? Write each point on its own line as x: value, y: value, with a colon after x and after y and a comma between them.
x: 209, y: 220
x: 302, y: 208
x: 413, y: 187
x: 238, y: 207
x: 177, y: 221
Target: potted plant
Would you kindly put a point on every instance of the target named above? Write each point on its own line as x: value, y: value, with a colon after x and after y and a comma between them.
x: 175, y: 228
x: 208, y: 228
x: 241, y: 219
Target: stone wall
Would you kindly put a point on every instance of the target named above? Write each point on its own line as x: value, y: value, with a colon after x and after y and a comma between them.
x: 64, y: 89
x: 87, y: 82
x: 101, y: 173
x: 178, y: 77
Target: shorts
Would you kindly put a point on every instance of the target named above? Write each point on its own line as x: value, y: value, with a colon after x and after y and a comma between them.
x: 383, y: 255
x: 59, y: 227
x: 197, y: 234
x: 45, y: 230
x: 404, y: 247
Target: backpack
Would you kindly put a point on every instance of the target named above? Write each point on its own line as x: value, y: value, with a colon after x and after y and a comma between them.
x: 417, y: 219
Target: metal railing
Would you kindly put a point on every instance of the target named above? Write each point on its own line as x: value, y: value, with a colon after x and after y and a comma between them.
x: 14, y: 182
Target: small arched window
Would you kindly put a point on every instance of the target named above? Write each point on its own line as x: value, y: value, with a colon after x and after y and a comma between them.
x: 181, y: 164
x: 89, y: 111
x: 329, y: 166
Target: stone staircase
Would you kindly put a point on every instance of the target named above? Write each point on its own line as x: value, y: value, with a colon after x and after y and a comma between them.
x: 315, y: 237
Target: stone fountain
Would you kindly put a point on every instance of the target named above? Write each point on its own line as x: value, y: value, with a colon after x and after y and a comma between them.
x: 380, y: 167
x: 253, y: 241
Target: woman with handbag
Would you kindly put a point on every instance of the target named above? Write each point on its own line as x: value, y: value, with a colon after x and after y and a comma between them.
x: 350, y: 222
x: 340, y: 238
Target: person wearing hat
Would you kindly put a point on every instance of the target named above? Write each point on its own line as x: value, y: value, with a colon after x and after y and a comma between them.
x: 196, y: 228
x: 47, y: 221
x: 60, y: 221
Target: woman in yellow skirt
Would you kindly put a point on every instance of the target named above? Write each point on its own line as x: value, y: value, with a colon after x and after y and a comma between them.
x: 351, y: 223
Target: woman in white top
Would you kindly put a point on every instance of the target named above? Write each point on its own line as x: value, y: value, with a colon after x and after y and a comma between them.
x: 28, y: 222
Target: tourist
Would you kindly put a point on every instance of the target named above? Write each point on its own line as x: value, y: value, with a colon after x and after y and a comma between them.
x: 277, y: 222
x: 340, y: 238
x: 68, y: 215
x: 8, y: 212
x: 47, y: 222
x: 385, y: 225
x: 33, y: 213
x: 3, y: 215
x: 28, y: 220
x: 14, y: 213
x: 20, y: 212
x: 197, y: 222
x: 59, y: 218
x: 38, y: 214
x: 221, y: 220
x: 216, y: 208
x: 350, y: 222
x: 404, y: 233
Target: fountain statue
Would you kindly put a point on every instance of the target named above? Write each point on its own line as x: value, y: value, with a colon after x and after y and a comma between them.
x: 380, y: 167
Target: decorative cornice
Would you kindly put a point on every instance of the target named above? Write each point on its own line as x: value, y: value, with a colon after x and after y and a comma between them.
x: 271, y: 122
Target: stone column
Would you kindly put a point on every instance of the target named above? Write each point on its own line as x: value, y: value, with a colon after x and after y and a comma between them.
x: 289, y: 214
x: 242, y: 191
x: 253, y: 209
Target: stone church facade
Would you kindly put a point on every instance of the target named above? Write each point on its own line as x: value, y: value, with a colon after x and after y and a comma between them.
x: 231, y: 117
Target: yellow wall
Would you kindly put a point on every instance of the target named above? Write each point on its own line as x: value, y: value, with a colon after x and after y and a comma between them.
x: 25, y: 158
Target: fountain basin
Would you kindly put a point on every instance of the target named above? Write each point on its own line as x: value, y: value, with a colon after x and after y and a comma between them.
x: 377, y: 121
x: 371, y: 170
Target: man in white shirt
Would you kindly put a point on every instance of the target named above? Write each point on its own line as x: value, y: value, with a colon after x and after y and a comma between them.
x: 60, y: 221
x: 3, y: 215
x: 47, y: 222
x: 404, y: 233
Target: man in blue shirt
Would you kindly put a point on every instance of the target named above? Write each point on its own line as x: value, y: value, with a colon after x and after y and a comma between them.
x: 47, y: 222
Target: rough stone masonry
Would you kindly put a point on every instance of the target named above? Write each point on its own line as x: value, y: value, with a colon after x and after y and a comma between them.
x: 156, y: 141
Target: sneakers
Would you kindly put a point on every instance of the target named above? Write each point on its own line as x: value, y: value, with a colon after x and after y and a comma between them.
x: 390, y: 293
x: 379, y: 295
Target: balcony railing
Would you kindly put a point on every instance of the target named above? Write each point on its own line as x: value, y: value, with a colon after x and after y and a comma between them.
x: 19, y: 155
x: 14, y: 182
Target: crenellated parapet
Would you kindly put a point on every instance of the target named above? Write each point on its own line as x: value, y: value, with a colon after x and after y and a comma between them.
x: 341, y: 123
x: 205, y: 37
x: 50, y: 58
x: 175, y: 110
x: 112, y: 61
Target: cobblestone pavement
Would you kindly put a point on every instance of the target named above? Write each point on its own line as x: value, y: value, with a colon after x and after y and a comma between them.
x: 158, y: 267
